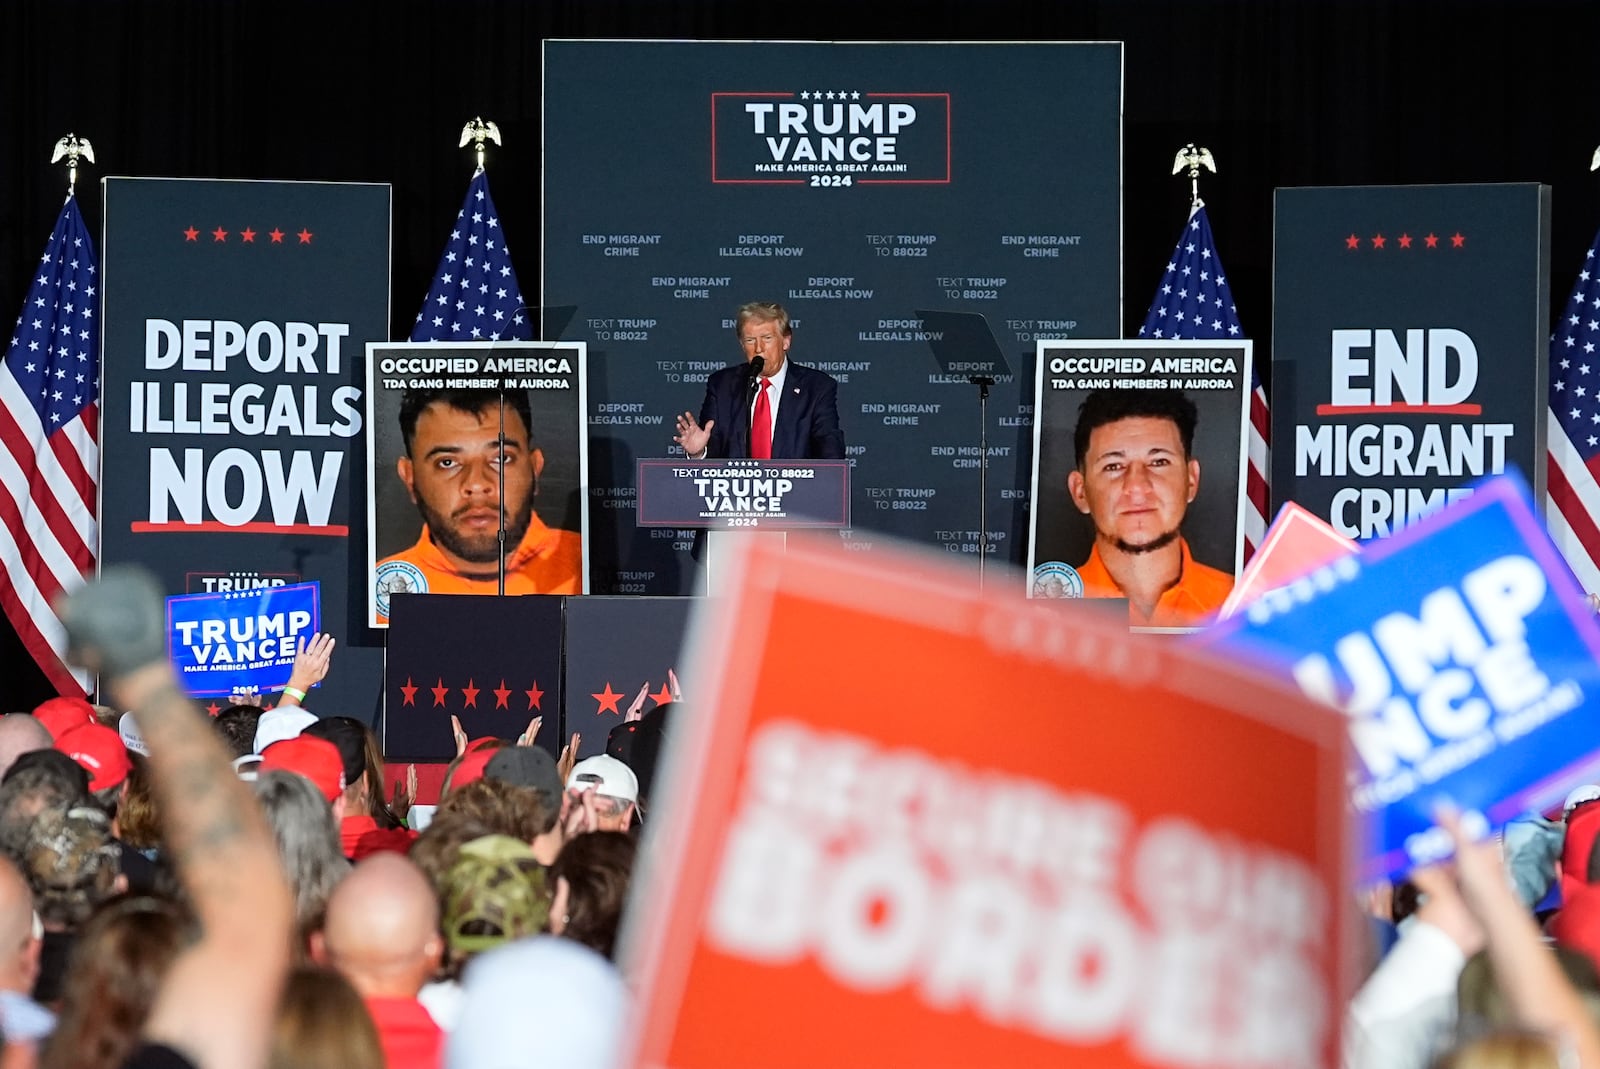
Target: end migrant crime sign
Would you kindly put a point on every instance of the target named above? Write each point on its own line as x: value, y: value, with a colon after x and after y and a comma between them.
x: 1462, y: 653
x: 240, y: 641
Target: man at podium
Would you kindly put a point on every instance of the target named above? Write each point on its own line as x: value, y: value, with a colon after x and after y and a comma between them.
x: 768, y: 407
x: 1135, y: 478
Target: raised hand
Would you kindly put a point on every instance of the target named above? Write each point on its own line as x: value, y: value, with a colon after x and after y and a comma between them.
x: 527, y: 737
x: 116, y: 625
x: 569, y: 757
x: 691, y: 437
x: 311, y: 662
x: 636, y: 710
x: 405, y: 795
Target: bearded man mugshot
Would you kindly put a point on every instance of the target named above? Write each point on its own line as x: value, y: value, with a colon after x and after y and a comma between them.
x: 1135, y: 478
x: 453, y: 468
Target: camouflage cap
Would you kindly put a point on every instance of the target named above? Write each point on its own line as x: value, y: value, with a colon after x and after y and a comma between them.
x: 494, y: 892
x: 72, y: 863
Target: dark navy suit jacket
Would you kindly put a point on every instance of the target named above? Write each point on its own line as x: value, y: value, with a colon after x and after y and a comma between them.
x: 808, y: 417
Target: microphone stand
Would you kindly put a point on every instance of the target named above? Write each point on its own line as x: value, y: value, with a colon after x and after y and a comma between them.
x: 500, y: 467
x: 983, y: 382
x: 756, y: 364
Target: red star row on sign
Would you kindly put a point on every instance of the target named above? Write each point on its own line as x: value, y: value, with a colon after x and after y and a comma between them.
x: 216, y: 708
x: 248, y: 236
x: 470, y: 694
x: 609, y: 698
x: 1404, y: 240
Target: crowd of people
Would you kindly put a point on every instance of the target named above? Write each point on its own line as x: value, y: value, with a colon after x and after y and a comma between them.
x: 236, y: 891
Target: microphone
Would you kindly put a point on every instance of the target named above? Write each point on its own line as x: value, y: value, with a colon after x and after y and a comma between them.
x: 755, y: 373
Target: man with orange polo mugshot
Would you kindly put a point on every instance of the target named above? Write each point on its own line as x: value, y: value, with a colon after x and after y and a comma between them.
x: 452, y: 469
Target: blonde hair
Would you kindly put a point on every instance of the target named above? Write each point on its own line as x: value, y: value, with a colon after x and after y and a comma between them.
x: 762, y: 312
x: 323, y: 1024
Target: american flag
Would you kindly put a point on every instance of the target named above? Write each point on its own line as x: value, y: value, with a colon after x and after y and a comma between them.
x: 475, y: 295
x: 49, y: 445
x: 1574, y: 427
x: 1194, y: 302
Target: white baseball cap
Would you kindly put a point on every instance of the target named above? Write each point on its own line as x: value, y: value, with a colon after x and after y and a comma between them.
x: 128, y: 728
x: 607, y: 776
x: 1588, y: 792
x: 284, y: 722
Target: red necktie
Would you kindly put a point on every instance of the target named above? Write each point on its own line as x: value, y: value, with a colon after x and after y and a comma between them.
x: 761, y: 425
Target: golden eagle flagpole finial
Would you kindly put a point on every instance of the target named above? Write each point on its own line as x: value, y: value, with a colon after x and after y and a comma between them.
x: 1194, y: 158
x: 477, y: 131
x: 72, y: 147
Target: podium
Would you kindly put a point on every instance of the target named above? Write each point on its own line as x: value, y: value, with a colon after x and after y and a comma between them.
x: 741, y: 499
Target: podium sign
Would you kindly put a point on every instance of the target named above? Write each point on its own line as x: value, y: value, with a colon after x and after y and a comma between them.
x: 722, y: 494
x: 1409, y: 342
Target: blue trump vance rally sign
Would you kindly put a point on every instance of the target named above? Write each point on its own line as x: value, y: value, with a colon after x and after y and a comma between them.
x: 1462, y: 653
x: 242, y: 640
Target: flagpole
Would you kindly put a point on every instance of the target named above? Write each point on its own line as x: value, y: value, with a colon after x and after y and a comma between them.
x: 477, y: 131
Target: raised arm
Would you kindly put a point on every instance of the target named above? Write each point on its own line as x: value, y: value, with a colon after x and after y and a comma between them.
x: 1527, y: 973
x: 217, y: 1003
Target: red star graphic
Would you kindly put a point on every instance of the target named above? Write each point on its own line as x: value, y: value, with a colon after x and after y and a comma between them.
x: 276, y: 235
x: 213, y: 708
x: 439, y: 692
x: 469, y: 695
x: 1378, y: 240
x: 410, y: 692
x: 247, y: 234
x: 1457, y: 240
x: 1352, y: 242
x: 1405, y: 241
x: 501, y: 695
x: 664, y: 696
x: 1432, y: 241
x: 535, y: 696
x: 191, y: 234
x: 219, y: 234
x: 305, y: 236
x: 607, y: 700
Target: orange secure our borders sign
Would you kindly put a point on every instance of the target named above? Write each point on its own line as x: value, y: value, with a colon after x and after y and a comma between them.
x: 911, y: 824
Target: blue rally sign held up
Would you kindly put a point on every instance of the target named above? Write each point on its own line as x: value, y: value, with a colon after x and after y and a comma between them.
x: 247, y: 639
x: 1462, y: 652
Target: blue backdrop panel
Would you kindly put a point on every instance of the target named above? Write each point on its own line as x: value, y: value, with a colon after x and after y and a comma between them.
x: 856, y: 185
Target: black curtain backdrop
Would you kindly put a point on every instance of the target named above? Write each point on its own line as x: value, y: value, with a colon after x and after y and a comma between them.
x: 1297, y: 92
